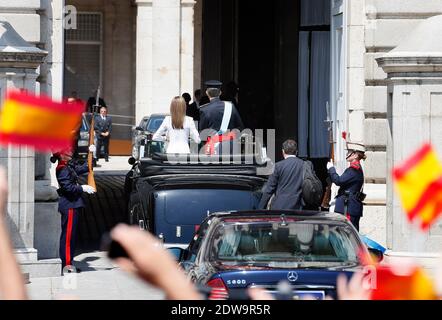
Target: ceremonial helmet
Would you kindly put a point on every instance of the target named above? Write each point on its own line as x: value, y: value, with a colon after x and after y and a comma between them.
x: 56, y: 156
x: 356, y: 147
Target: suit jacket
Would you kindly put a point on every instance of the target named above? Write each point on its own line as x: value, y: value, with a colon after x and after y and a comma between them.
x: 70, y: 190
x: 351, y: 180
x: 286, y: 184
x: 193, y: 111
x: 102, y: 125
x: 211, y: 116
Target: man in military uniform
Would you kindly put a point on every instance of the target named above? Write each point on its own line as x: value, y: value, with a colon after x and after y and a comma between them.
x: 350, y: 194
x: 218, y: 116
x: 211, y: 114
x: 70, y: 202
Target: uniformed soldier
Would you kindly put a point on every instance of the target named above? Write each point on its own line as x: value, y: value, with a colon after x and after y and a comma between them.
x: 70, y: 202
x: 219, y: 118
x: 350, y: 194
x: 211, y: 114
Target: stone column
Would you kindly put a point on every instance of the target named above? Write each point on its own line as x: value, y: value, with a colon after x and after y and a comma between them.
x: 19, y: 62
x: 166, y: 53
x: 165, y: 47
x: 187, y: 46
x: 414, y: 71
x: 144, y: 67
x: 46, y: 216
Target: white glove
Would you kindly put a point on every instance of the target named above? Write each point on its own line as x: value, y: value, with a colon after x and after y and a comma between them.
x: 88, y: 189
x: 330, y: 165
x: 92, y: 148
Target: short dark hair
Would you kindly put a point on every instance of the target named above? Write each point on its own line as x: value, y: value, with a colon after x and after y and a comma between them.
x: 213, y: 92
x: 290, y: 147
x: 186, y: 96
x: 198, y: 93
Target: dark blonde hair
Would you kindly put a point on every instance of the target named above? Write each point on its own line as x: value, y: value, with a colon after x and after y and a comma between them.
x: 361, y: 155
x: 178, y: 112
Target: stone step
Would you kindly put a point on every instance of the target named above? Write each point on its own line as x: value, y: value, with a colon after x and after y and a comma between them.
x: 42, y: 268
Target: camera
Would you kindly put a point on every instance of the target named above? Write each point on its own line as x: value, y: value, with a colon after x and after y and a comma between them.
x: 113, y: 248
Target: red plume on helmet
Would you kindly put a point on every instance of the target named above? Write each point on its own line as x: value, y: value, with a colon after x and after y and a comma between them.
x: 56, y: 156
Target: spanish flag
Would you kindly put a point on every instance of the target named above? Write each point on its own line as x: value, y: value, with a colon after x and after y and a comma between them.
x: 392, y: 284
x: 419, y: 184
x: 38, y: 122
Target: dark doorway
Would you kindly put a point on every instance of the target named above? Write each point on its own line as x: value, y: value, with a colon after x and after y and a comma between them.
x: 278, y: 54
x: 256, y: 64
x: 255, y: 46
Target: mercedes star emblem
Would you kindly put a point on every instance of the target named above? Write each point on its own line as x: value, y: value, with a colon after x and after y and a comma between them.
x: 292, y: 276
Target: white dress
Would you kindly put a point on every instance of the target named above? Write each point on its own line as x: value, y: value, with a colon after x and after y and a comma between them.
x: 178, y: 138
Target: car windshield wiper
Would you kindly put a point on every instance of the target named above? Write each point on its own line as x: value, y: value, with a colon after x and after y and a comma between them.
x: 345, y: 265
x: 329, y: 266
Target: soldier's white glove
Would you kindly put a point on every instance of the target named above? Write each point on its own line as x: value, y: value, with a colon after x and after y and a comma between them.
x: 92, y: 148
x: 88, y: 189
x: 330, y: 165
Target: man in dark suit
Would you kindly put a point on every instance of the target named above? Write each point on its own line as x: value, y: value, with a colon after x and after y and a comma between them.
x: 211, y: 114
x: 193, y: 110
x: 286, y: 181
x: 103, y: 128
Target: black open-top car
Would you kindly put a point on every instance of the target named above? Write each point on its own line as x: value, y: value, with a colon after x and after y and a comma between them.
x: 172, y: 199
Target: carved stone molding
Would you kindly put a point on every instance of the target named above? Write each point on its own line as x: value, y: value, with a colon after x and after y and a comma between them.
x: 143, y: 2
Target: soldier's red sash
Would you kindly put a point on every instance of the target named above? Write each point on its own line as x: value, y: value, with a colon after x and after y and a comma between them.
x: 212, y: 141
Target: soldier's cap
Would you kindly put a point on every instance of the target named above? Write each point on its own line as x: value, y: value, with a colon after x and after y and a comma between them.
x: 353, y: 146
x: 213, y: 84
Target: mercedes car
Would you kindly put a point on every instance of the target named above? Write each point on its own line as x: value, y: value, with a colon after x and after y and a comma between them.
x: 306, y: 250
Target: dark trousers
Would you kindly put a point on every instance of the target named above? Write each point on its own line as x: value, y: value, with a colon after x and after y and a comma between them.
x: 69, y: 222
x: 103, y: 142
x: 354, y: 221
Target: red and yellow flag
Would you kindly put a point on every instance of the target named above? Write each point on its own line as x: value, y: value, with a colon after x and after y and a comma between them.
x: 38, y: 122
x: 419, y: 184
x: 413, y: 284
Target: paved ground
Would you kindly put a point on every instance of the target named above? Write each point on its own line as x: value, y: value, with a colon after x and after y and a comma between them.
x: 107, y: 207
x: 99, y: 280
x: 114, y: 164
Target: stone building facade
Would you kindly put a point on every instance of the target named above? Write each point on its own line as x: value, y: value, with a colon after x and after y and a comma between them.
x: 143, y: 52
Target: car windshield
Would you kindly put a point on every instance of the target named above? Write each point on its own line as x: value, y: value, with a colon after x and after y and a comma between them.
x: 285, y: 245
x: 154, y: 124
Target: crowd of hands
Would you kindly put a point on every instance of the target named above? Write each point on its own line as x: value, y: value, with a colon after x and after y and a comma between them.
x: 147, y: 259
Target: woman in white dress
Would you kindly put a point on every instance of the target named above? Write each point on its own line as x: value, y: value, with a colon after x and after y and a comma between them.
x: 177, y: 128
